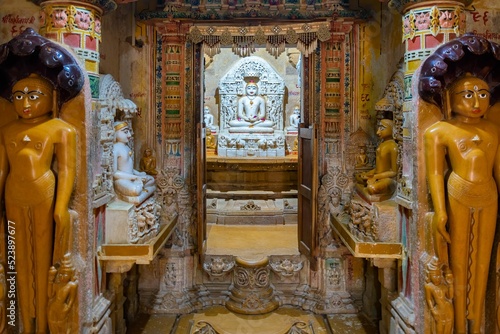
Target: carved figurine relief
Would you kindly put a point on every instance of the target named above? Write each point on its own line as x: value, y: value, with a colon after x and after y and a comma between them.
x: 439, y: 295
x: 28, y: 147
x: 62, y: 296
x: 464, y: 198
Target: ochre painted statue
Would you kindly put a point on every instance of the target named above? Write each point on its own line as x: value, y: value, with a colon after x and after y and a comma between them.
x: 251, y: 109
x: 438, y: 295
x: 382, y: 179
x: 33, y: 198
x: 62, y: 292
x: 148, y: 162
x: 465, y: 202
x: 210, y: 141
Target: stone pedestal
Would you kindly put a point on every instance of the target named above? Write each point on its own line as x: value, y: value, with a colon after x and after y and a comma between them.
x: 128, y: 223
x: 251, y: 290
x: 268, y: 143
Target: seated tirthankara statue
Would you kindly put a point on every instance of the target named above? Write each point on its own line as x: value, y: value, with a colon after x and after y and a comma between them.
x: 208, y: 118
x: 294, y: 120
x: 462, y: 163
x: 381, y: 181
x: 251, y: 110
x: 130, y: 185
x: 36, y: 198
x: 251, y: 96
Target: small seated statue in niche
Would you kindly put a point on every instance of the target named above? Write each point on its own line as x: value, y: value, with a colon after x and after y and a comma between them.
x: 130, y: 185
x: 251, y: 109
x: 382, y: 179
x: 210, y: 139
x: 361, y: 158
x: 295, y: 147
x: 148, y: 162
x: 294, y: 119
x: 439, y: 296
x: 208, y: 118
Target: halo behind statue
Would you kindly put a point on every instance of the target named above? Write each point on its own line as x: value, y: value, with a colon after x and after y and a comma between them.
x: 466, y: 54
x: 30, y: 53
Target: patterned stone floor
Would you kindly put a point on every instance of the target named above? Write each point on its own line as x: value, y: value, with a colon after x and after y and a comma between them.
x: 218, y: 320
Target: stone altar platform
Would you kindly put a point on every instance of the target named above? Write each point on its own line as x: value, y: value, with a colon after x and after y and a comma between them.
x: 276, y: 174
x: 251, y: 208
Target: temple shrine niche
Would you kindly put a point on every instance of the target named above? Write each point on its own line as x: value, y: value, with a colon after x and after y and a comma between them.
x: 251, y: 173
x: 251, y: 110
x: 134, y: 214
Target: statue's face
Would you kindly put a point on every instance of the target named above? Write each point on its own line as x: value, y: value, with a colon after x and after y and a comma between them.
x: 252, y: 90
x: 435, y: 277
x: 32, y: 97
x: 470, y: 97
x: 123, y: 135
x: 384, y: 131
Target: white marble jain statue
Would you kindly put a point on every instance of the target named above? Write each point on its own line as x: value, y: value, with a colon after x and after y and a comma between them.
x: 251, y: 109
x: 130, y: 185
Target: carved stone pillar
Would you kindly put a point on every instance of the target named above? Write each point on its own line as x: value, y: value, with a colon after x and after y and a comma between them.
x: 78, y: 25
x: 170, y: 96
x: 251, y: 291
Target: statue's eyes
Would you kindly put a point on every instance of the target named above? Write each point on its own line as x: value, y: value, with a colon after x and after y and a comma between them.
x: 483, y: 95
x: 33, y: 97
x: 468, y: 95
x: 18, y: 97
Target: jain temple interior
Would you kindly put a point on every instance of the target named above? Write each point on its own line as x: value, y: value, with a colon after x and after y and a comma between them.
x: 249, y: 166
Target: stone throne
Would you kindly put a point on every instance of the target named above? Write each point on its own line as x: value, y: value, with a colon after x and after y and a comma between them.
x: 251, y: 141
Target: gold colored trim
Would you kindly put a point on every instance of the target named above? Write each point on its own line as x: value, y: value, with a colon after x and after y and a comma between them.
x: 364, y: 249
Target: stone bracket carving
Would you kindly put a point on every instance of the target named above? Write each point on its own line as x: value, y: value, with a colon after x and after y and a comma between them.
x: 286, y: 268
x: 218, y: 267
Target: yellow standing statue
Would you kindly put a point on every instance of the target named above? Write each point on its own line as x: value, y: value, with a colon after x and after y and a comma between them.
x: 27, y: 149
x: 37, y: 167
x: 462, y: 162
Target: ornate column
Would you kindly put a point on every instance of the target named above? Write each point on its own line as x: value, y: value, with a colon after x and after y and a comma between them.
x: 425, y: 26
x: 78, y: 25
x: 170, y: 93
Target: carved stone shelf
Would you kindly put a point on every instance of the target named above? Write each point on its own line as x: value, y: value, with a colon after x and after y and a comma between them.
x: 121, y: 257
x: 364, y: 249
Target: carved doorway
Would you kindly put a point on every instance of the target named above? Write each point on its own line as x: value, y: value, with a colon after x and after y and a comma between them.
x: 251, y: 171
